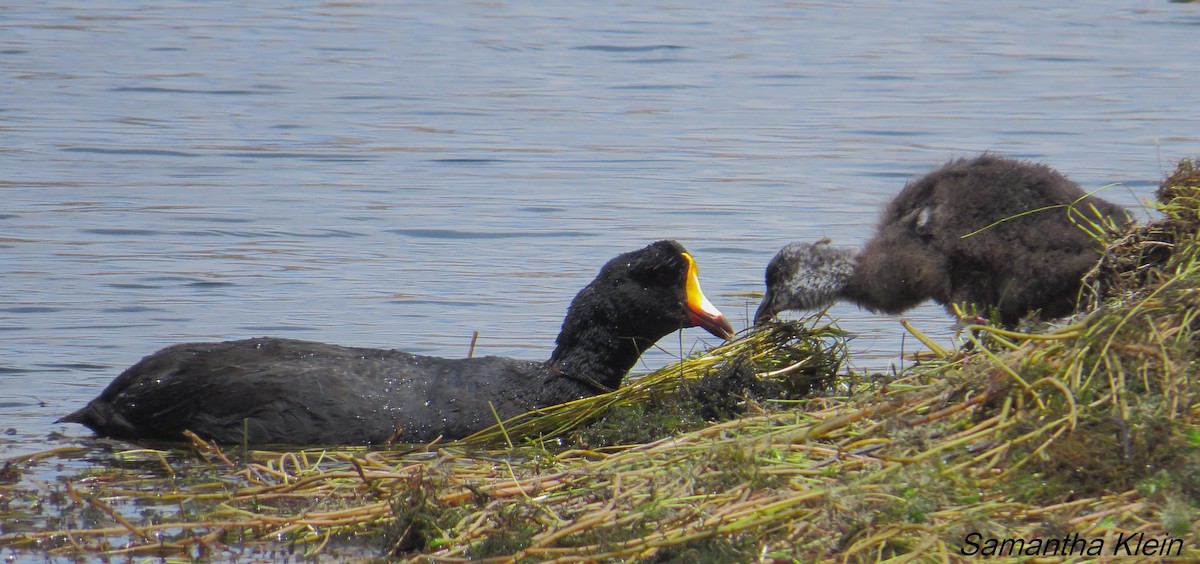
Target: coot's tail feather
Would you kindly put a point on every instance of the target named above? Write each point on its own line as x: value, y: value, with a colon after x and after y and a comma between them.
x: 99, y: 417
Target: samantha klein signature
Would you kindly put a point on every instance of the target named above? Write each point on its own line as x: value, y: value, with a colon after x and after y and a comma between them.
x: 1133, y: 544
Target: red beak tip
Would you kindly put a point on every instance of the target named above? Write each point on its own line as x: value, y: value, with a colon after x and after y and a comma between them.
x: 715, y: 324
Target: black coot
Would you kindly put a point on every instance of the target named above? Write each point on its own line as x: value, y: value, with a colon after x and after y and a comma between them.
x: 270, y: 390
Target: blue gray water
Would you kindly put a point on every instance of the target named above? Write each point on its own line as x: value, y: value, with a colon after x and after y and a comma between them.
x: 402, y: 175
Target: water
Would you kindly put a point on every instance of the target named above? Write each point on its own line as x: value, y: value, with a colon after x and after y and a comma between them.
x: 400, y: 176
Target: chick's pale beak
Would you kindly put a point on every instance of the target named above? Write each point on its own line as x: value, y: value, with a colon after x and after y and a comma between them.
x: 701, y: 312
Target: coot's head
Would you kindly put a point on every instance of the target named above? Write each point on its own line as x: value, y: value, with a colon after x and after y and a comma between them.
x: 637, y: 298
x: 804, y: 276
x: 663, y: 277
x: 645, y: 294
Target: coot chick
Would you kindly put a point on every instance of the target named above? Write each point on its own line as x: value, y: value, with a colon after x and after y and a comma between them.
x: 921, y: 250
x: 286, y: 391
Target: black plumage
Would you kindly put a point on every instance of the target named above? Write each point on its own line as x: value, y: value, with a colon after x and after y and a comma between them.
x: 271, y: 390
x: 1002, y: 234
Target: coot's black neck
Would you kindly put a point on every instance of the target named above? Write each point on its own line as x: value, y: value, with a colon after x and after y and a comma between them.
x: 598, y: 359
x: 600, y: 341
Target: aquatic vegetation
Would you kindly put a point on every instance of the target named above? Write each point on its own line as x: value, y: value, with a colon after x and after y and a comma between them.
x: 1082, y: 436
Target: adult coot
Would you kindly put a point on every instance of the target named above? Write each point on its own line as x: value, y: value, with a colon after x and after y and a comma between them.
x: 1002, y: 234
x: 270, y: 390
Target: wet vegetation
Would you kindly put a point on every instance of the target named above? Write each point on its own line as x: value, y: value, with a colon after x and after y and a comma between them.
x: 762, y: 449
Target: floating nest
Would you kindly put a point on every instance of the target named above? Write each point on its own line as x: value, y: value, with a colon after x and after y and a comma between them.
x: 1136, y: 261
x: 753, y: 451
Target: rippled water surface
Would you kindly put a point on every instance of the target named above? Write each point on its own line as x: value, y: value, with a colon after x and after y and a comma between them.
x: 401, y: 175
